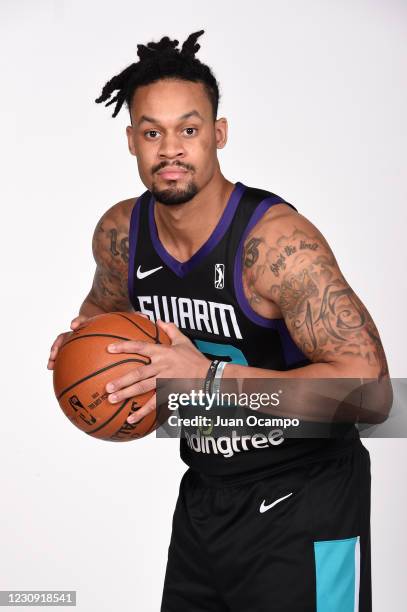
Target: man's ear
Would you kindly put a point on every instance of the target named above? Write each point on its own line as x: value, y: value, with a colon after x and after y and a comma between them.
x: 130, y: 140
x: 221, y: 132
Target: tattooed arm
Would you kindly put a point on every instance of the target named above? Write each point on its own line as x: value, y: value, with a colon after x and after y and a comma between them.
x: 110, y: 243
x: 290, y: 272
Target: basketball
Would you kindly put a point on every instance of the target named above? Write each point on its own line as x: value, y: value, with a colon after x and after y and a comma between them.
x: 84, y: 366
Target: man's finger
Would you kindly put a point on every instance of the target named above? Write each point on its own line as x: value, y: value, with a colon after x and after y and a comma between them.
x: 172, y: 331
x: 57, y: 342
x: 134, y: 346
x: 137, y: 374
x: 144, y: 386
x: 142, y: 314
x: 79, y: 322
x: 142, y: 412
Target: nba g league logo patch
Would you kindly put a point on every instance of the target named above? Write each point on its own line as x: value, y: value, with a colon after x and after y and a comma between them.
x: 219, y: 276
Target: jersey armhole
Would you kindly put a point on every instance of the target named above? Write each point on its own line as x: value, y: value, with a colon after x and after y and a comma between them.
x: 133, y: 235
x: 242, y: 300
x: 292, y: 354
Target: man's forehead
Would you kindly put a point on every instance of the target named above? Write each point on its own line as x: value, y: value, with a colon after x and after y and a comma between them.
x: 170, y: 101
x: 190, y: 114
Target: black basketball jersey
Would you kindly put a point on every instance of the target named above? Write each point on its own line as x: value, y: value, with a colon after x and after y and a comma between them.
x: 204, y: 297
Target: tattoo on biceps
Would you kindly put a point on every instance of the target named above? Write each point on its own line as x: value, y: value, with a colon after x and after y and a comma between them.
x: 251, y: 252
x: 252, y: 268
x: 111, y: 252
x: 117, y: 241
x: 323, y: 314
x: 109, y: 286
x: 119, y: 247
x: 287, y: 250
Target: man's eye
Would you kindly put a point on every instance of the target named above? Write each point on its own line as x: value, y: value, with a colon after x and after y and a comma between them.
x: 151, y: 134
x: 190, y: 131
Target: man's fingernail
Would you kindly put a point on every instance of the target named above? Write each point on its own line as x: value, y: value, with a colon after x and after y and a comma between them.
x: 110, y: 387
x: 133, y: 419
x: 113, y: 398
x: 111, y: 347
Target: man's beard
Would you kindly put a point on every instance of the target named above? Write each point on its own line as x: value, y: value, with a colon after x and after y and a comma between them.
x: 174, y: 195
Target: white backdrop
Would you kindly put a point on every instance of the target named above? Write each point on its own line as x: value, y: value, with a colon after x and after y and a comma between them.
x: 315, y: 94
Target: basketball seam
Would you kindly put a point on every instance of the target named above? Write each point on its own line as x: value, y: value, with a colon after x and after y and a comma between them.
x: 111, y: 365
x: 156, y: 338
x: 92, y: 336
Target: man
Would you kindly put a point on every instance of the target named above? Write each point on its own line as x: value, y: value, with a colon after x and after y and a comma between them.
x: 245, y: 287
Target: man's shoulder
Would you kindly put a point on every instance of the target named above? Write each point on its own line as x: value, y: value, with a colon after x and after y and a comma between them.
x: 120, y: 211
x: 283, y: 230
x: 276, y: 219
x: 282, y: 219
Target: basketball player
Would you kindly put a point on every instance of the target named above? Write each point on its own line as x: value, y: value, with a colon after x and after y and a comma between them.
x: 245, y: 284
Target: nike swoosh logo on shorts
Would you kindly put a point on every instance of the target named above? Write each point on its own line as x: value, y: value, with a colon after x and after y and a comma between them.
x: 264, y: 508
x: 141, y: 274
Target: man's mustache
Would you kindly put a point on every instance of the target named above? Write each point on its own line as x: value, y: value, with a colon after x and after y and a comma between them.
x: 176, y: 164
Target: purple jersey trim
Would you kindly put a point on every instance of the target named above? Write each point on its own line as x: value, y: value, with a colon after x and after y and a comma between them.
x: 181, y: 269
x: 292, y: 353
x: 133, y: 234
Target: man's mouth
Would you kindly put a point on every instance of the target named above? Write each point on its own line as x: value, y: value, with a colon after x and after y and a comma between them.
x: 172, y: 173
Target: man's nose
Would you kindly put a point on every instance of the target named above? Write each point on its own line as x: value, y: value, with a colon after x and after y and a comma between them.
x: 171, y: 148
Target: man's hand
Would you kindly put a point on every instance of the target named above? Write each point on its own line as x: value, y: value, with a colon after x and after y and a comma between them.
x: 180, y: 360
x: 76, y: 323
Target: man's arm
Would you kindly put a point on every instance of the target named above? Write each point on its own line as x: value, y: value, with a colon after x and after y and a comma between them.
x: 289, y: 264
x: 110, y: 245
x: 109, y: 291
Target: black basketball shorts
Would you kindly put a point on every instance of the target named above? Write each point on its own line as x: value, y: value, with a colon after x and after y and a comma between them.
x: 297, y: 540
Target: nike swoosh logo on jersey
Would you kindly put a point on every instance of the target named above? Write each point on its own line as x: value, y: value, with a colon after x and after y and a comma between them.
x: 141, y: 274
x: 264, y: 507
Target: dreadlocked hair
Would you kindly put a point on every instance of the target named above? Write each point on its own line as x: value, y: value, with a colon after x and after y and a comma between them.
x: 160, y: 60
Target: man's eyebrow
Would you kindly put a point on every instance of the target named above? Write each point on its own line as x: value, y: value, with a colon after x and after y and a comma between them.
x: 193, y: 113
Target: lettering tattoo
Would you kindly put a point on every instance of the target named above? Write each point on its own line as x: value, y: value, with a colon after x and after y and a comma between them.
x: 290, y: 249
x: 278, y: 265
x: 123, y: 245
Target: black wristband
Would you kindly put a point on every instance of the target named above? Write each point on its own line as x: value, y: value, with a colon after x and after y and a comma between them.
x: 210, y: 376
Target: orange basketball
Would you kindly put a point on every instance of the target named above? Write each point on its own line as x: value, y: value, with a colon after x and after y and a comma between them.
x: 84, y: 366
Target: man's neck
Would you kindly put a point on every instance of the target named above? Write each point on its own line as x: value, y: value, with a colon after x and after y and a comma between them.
x: 184, y: 228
